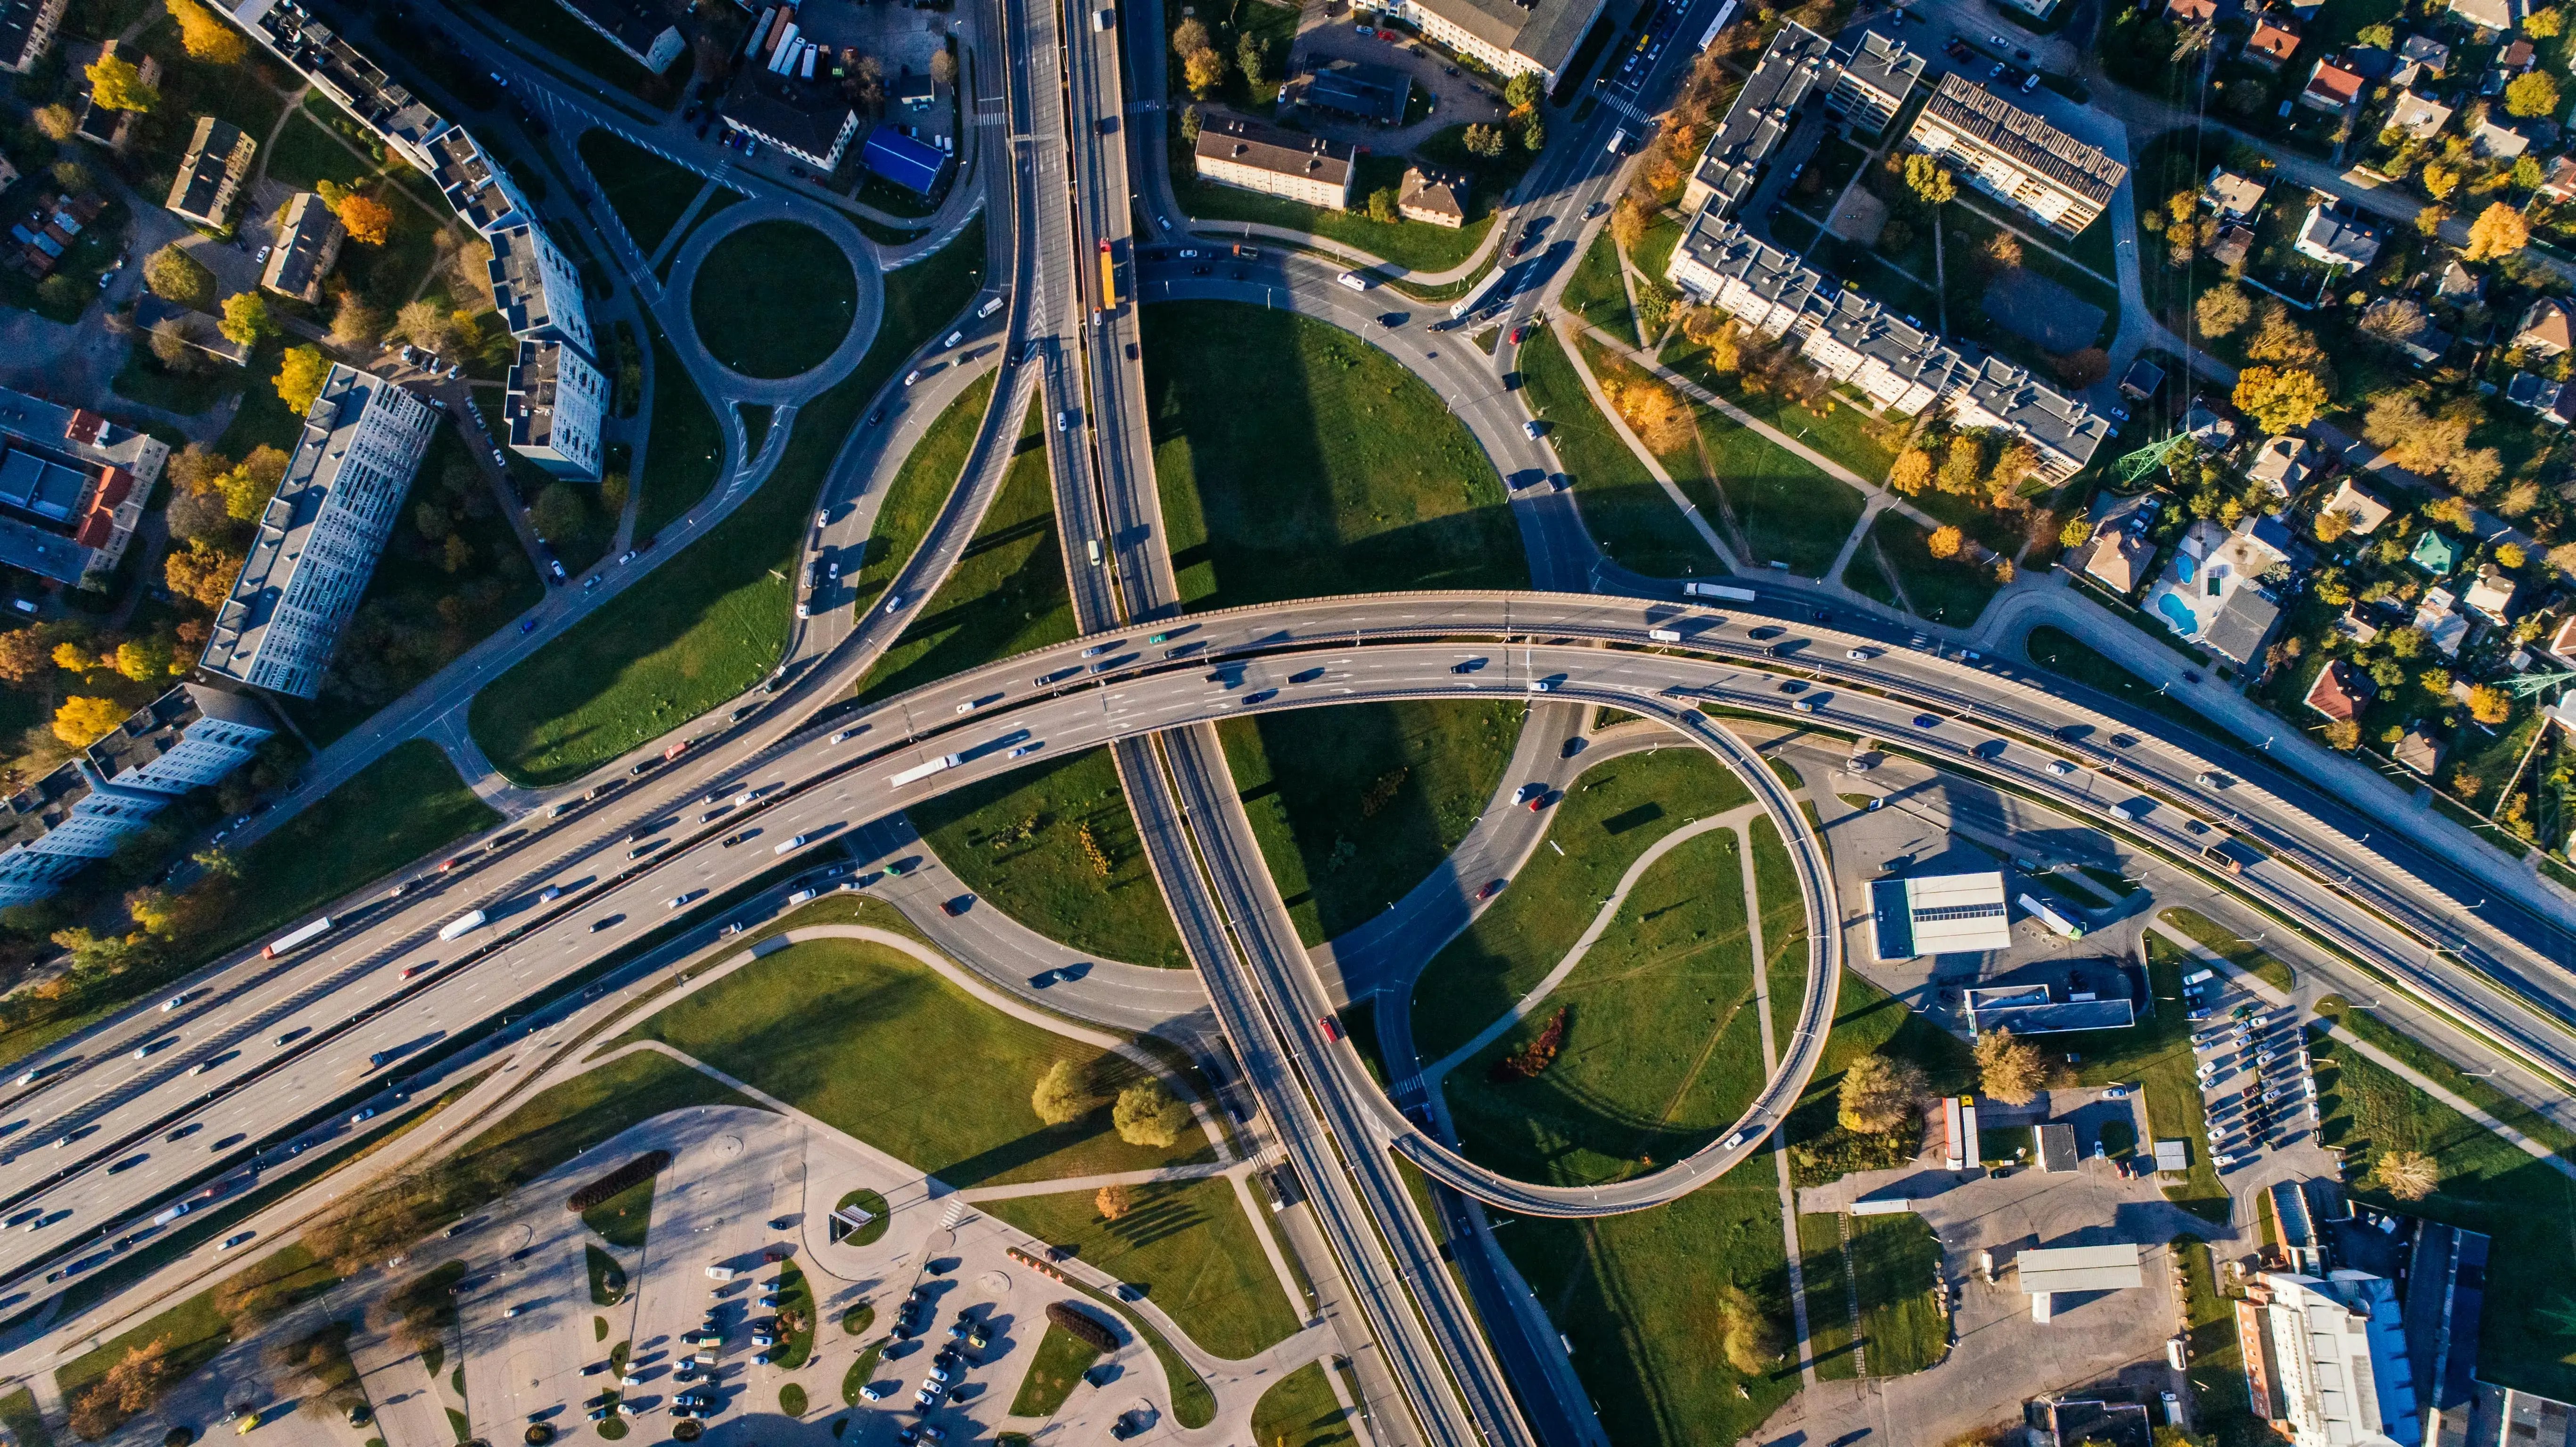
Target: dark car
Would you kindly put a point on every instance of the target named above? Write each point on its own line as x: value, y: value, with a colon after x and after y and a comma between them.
x: 956, y: 906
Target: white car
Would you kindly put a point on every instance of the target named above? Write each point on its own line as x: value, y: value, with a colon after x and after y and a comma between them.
x: 843, y: 735
x: 1023, y: 751
x: 2222, y: 1160
x: 955, y: 337
x: 1858, y: 655
x: 912, y: 376
x: 874, y: 1393
x: 2060, y: 767
x: 969, y: 706
x: 894, y: 602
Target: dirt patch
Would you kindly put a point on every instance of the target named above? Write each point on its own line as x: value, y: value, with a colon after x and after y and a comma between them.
x: 1858, y: 217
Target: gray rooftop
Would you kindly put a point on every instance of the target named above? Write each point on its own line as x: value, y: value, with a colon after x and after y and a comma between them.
x: 304, y: 247
x: 1792, y: 66
x: 218, y: 149
x: 1370, y: 92
x: 1546, y: 31
x: 1881, y: 64
x: 2024, y: 139
x: 154, y: 729
x: 1269, y: 148
x: 350, y: 77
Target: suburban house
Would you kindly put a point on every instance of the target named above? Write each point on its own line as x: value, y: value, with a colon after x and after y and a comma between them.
x: 2424, y: 51
x: 2280, y: 464
x: 2492, y: 142
x: 2435, y: 553
x: 2335, y: 239
x: 2458, y: 285
x: 2490, y: 593
x: 2275, y: 37
x: 2233, y: 197
x: 2444, y: 626
x: 2363, y: 512
x: 218, y: 157
x: 2419, y: 751
x: 2332, y: 88
x: 2547, y: 327
x: 2013, y: 155
x: 2558, y: 179
x: 643, y: 31
x: 2419, y: 116
x: 2191, y: 12
x: 2212, y: 590
x: 2117, y: 559
x: 2554, y: 401
x: 2517, y: 56
x: 1251, y: 156
x: 2402, y: 325
x: 2341, y: 691
x: 2488, y: 14
x: 2234, y: 244
x: 1436, y: 197
x: 1513, y: 38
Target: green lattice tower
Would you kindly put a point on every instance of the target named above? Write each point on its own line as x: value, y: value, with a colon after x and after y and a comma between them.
x: 2150, y: 457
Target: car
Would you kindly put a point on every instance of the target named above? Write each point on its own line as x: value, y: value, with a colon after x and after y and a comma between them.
x: 363, y: 1116
x: 957, y: 905
x: 2060, y: 767
x: 2030, y: 82
x: 1926, y: 721
x: 1998, y: 71
x: 1023, y: 751
x: 1529, y: 792
x: 873, y: 1392
x: 894, y: 602
x: 2115, y: 1092
x: 1520, y: 333
x: 1490, y: 888
x: 1532, y: 430
x: 1858, y: 655
x: 912, y: 376
x: 262, y: 258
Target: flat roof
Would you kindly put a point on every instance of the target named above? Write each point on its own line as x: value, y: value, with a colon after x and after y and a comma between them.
x: 1958, y: 913
x: 2056, y: 1147
x: 2079, y: 1268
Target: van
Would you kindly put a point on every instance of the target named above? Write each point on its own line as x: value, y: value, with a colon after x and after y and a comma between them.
x: 1092, y: 546
x: 1664, y: 635
x: 720, y: 1273
x: 1353, y: 280
x: 988, y: 308
x: 800, y: 896
x: 1102, y: 19
x: 1619, y: 142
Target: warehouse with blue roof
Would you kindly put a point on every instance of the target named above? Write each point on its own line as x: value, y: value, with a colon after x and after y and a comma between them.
x: 909, y: 163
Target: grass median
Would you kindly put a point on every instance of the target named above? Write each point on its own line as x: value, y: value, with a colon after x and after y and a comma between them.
x: 1300, y: 1410
x: 1627, y: 512
x: 713, y: 620
x: 1054, y: 1372
x: 406, y: 805
x: 921, y: 487
x: 2225, y: 943
x: 648, y: 193
x: 1186, y: 1245
x: 684, y: 449
x: 774, y: 299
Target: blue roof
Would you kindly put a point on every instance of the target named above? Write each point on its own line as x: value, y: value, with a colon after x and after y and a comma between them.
x: 904, y: 161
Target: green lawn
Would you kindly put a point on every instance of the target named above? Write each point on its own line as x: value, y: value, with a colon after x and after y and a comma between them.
x: 1187, y: 1245
x: 648, y: 193
x: 1340, y: 473
x: 26, y: 1425
x: 1413, y: 245
x: 306, y: 152
x: 1896, y: 1263
x: 724, y: 196
x: 2443, y: 1071
x: 920, y: 489
x: 2061, y: 653
x: 562, y: 32
x: 1789, y: 509
x: 1826, y: 1277
x: 1627, y: 512
x: 1944, y: 590
x: 622, y: 1219
x: 774, y: 299
x: 1016, y: 840
x: 2210, y: 935
x: 607, y: 1278
x: 405, y: 805
x: 1867, y: 1019
x: 1007, y: 594
x: 714, y: 619
x: 1054, y: 1372
x: 1662, y: 1048
x: 1846, y: 433
x: 684, y: 450
x: 1298, y: 1410
x: 795, y: 1296
x: 867, y: 1039
x: 1596, y: 292
x: 2156, y: 1053
x: 1784, y: 929
x: 143, y: 379
x: 1610, y: 816
x: 1351, y: 817
x: 193, y: 1332
x: 2217, y: 1365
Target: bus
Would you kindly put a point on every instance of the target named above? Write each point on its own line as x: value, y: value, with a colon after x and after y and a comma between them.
x: 1725, y: 13
x: 1109, y: 297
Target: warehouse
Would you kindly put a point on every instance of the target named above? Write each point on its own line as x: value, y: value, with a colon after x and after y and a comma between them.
x: 1939, y: 914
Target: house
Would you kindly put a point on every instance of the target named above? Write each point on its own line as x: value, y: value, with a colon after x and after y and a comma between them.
x: 307, y: 243
x: 2362, y: 512
x: 2435, y: 553
x: 1513, y: 39
x: 2233, y: 197
x: 2438, y: 614
x: 2558, y: 179
x: 2341, y: 691
x: 105, y: 125
x: 2554, y: 401
x: 2335, y: 239
x: 2280, y: 464
x: 2516, y: 57
x: 2548, y: 328
x: 913, y: 92
x: 2117, y: 559
x: 2206, y: 428
x: 218, y: 157
x: 2332, y: 87
x: 2490, y: 593
x: 2014, y: 156
x: 2421, y: 117
x: 2419, y: 751
x: 2359, y: 629
x: 2275, y: 36
x: 2492, y: 142
x: 2234, y: 244
x: 2488, y: 14
x: 642, y: 31
x: 1436, y: 197
x: 2425, y: 51
x: 2191, y: 12
x: 2142, y: 380
x: 2402, y: 325
x: 2212, y: 591
x: 2458, y: 285
x: 1251, y: 156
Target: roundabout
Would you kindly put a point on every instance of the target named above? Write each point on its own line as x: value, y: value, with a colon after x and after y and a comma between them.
x: 785, y: 305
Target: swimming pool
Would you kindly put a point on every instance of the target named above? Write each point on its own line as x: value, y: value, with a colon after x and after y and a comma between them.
x: 2177, y: 613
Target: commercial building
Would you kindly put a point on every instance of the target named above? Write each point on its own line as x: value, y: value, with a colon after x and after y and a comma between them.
x: 554, y: 407
x: 2014, y: 156
x: 211, y: 173
x: 27, y: 31
x: 646, y: 35
x: 72, y: 488
x: 1251, y: 156
x: 2052, y: 1270
x: 1514, y: 37
x: 814, y: 128
x: 904, y: 161
x: 319, y: 537
x: 1938, y: 914
x: 1371, y: 93
x: 2029, y: 1010
x: 537, y: 290
x: 2334, y: 1370
x: 2056, y: 1143
x: 1436, y: 197
x: 306, y: 246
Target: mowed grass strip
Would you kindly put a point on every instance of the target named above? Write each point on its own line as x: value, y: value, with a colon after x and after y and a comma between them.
x: 1054, y: 1372
x: 1295, y: 461
x: 1624, y: 508
x: 1867, y: 1020
x: 623, y: 1219
x: 1610, y: 816
x: 1033, y: 843
x: 1300, y: 1410
x: 1784, y: 929
x: 919, y: 490
x: 684, y: 451
x: 649, y: 194
x: 868, y: 1039
x: 1355, y: 807
x: 1896, y: 1262
x: 2225, y: 943
x: 1661, y: 1051
x: 1790, y: 510
x: 713, y: 620
x: 773, y: 299
x: 1825, y: 1274
x: 1186, y: 1245
x: 404, y: 806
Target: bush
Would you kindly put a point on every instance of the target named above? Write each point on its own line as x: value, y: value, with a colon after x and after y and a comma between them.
x: 648, y: 1164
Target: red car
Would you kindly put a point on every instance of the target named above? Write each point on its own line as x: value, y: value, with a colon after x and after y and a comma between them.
x: 1492, y: 887
x: 1332, y: 1027
x: 1520, y: 333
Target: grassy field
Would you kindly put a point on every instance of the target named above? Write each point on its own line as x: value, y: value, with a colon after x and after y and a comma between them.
x: 2210, y: 935
x: 1187, y: 1245
x: 193, y: 1332
x: 714, y: 619
x: 1843, y: 432
x: 1611, y: 815
x: 26, y: 1425
x: 1784, y: 928
x: 1596, y: 291
x: 607, y: 1278
x: 790, y: 277
x: 684, y: 449
x: 402, y: 807
x: 1867, y: 1019
x: 1624, y: 508
x: 2156, y: 1054
x: 648, y: 193
x: 1007, y: 594
x: 1300, y: 1410
x: 1054, y: 1372
x: 1896, y: 1263
x: 1662, y: 1049
x: 622, y: 1219
x: 868, y: 1039
x: 2476, y: 1090
x: 1016, y: 840
x: 2219, y: 1405
x: 1352, y: 816
x: 1790, y: 510
x: 2487, y: 1185
x: 1944, y: 590
x: 1340, y: 473
x: 1826, y: 1276
x: 919, y: 490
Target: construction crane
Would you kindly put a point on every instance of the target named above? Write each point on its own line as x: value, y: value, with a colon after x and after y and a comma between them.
x: 2150, y: 457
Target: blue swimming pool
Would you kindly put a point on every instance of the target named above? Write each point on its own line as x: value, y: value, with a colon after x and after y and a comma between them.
x: 2177, y: 613
x: 2185, y: 566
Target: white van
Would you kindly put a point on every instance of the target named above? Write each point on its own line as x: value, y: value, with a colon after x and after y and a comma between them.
x: 1353, y: 280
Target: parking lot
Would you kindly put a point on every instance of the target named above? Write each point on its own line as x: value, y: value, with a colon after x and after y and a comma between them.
x: 2256, y: 1081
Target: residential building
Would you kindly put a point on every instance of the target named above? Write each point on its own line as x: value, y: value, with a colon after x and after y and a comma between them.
x: 188, y: 738
x: 2494, y: 142
x: 2013, y: 155
x: 2419, y: 751
x: 319, y: 536
x: 1794, y: 66
x: 1874, y: 75
x: 2280, y: 463
x: 2402, y: 325
x: 306, y: 245
x: 1251, y: 156
x: 2419, y: 116
x: 2517, y: 56
x: 2234, y: 244
x: 2142, y: 380
x: 2341, y: 691
x: 2213, y: 591
x: 2336, y: 239
x: 72, y: 488
x: 2488, y: 14
x: 815, y: 129
x: 2035, y: 9
x: 2332, y: 1354
x: 477, y: 190
x: 2558, y: 179
x: 2435, y: 553
x: 336, y: 68
x: 47, y: 231
x: 2118, y: 560
x: 1515, y: 37
x: 2554, y: 401
x: 2425, y: 51
x: 903, y: 160
x: 2444, y: 626
x: 636, y: 27
x: 27, y: 31
x: 2351, y: 624
x: 2332, y: 87
x: 2491, y: 593
x: 211, y: 173
x: 1436, y: 197
x: 2233, y: 197
x: 2275, y: 38
x: 1371, y: 93
x: 104, y: 125
x: 2548, y: 327
x: 536, y: 289
x: 2212, y: 432
x: 55, y: 826
x: 2191, y: 12
x: 554, y: 407
x: 2362, y: 513
x: 2458, y: 285
x: 2524, y: 1419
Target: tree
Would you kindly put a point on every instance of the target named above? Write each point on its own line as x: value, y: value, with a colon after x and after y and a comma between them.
x: 559, y: 512
x: 1485, y: 141
x: 83, y: 721
x: 1944, y: 542
x: 1752, y: 1341
x: 246, y: 319
x: 2542, y: 24
x: 1113, y: 1201
x: 1878, y: 1094
x: 1628, y: 223
x: 2332, y: 524
x: 367, y: 220
x: 1522, y: 92
x: 2343, y: 734
x: 2439, y: 180
x: 2381, y: 37
x: 175, y: 276
x: 170, y: 345
x: 2475, y: 470
x: 2520, y: 499
x: 1381, y: 204
x: 1251, y: 58
x: 1062, y: 1096
x: 2279, y: 400
x: 2511, y: 557
x: 426, y: 325
x: 26, y: 654
x: 1534, y: 134
x: 56, y: 122
x: 943, y: 67
x: 2004, y: 250
x: 2077, y: 532
x: 1653, y: 411
x: 72, y: 176
x: 206, y: 37
x: 2394, y: 321
x: 144, y: 660
x: 247, y: 488
x: 2448, y: 511
x: 1190, y: 37
x: 2531, y: 93
x: 117, y: 85
x: 2499, y: 229
x: 299, y: 378
x: 2489, y: 704
x: 1204, y: 70
x: 1929, y: 180
x: 1963, y: 465
x: 1912, y: 470
x: 1147, y: 1115
x: 356, y: 324
x: 1190, y: 123
x: 2009, y: 1069
x: 2407, y: 1175
x: 128, y: 1390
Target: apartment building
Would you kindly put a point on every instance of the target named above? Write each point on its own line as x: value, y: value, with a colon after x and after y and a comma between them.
x: 188, y: 738
x: 1874, y: 77
x: 72, y: 488
x: 1797, y: 64
x: 1246, y: 154
x: 337, y: 68
x: 319, y: 537
x: 210, y: 175
x: 2014, y: 156
x: 1515, y: 37
x: 27, y: 31
x: 638, y: 29
x: 554, y: 407
x: 478, y: 191
x: 307, y: 244
x: 536, y: 289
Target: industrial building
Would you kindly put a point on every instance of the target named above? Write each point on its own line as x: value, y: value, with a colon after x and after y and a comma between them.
x: 553, y: 409
x: 2029, y: 1010
x: 1288, y: 164
x: 2052, y: 1272
x: 72, y: 488
x: 903, y: 160
x: 320, y: 536
x: 813, y: 129
x: 2327, y: 1359
x: 1940, y: 914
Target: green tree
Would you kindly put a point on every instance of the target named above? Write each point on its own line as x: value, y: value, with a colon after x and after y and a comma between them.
x: 177, y: 277
x: 2279, y: 399
x: 246, y: 319
x: 1148, y: 1115
x: 205, y: 36
x: 1381, y: 204
x: 1522, y: 91
x: 2531, y: 93
x: 1252, y: 58
x: 117, y: 85
x: 1485, y: 141
x: 300, y: 375
x: 1061, y: 1095
x: 1930, y: 180
x: 559, y: 512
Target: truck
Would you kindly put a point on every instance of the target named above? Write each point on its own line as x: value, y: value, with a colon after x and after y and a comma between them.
x: 919, y: 772
x: 1109, y: 297
x: 304, y: 935
x: 675, y: 750
x: 1725, y: 13
x: 2051, y: 916
x: 1486, y: 291
x: 461, y: 926
x: 1721, y: 590
x: 2134, y: 808
x: 2222, y: 856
